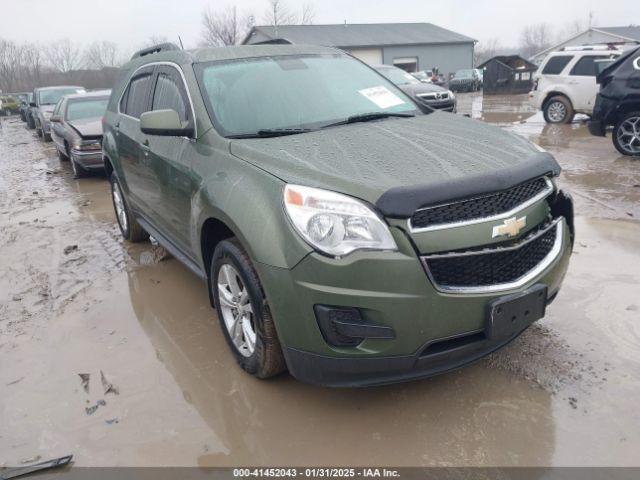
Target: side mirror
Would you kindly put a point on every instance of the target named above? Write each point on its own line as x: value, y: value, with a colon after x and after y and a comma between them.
x: 32, y: 104
x: 164, y: 123
x: 56, y: 119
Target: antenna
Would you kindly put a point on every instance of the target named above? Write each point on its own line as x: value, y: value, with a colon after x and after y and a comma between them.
x: 181, y: 45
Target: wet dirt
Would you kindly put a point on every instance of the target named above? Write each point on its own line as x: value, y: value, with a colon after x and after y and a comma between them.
x: 110, y: 351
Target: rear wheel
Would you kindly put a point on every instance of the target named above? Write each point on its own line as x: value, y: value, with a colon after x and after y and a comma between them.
x: 78, y: 170
x: 129, y: 226
x: 243, y: 311
x: 626, y: 134
x: 558, y: 109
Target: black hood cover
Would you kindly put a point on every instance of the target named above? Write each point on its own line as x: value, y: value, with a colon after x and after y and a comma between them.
x: 402, y: 202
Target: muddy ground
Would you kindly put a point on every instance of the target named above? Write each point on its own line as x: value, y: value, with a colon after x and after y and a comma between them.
x: 119, y: 360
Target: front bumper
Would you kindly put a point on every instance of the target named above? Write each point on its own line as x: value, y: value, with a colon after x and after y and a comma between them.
x: 88, y: 160
x: 390, y: 289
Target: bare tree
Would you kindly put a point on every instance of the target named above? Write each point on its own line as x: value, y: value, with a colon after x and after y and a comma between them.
x: 103, y: 54
x: 224, y: 27
x: 308, y: 14
x: 32, y: 65
x: 10, y: 61
x: 64, y: 56
x: 535, y: 38
x: 278, y: 13
x: 485, y: 50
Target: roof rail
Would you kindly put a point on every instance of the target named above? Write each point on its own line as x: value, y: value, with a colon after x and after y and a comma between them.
x: 274, y: 41
x: 582, y: 48
x: 161, y: 47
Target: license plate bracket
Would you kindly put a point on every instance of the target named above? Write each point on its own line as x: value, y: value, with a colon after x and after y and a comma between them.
x: 511, y: 314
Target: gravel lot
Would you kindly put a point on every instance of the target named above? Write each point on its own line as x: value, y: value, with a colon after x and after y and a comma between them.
x: 108, y: 353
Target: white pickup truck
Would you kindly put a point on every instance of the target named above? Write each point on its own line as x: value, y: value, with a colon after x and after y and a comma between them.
x: 565, y: 83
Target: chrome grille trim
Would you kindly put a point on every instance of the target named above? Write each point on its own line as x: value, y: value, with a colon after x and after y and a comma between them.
x: 542, y: 266
x: 501, y: 216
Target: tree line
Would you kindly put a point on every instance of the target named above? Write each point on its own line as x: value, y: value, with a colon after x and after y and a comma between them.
x: 533, y: 39
x: 25, y: 66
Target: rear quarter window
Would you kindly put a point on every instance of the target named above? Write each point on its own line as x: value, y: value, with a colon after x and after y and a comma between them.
x: 136, y: 96
x: 556, y: 65
x: 587, y: 66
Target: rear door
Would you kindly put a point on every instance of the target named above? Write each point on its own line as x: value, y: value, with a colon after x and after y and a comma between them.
x: 135, y: 101
x: 169, y: 182
x: 582, y: 79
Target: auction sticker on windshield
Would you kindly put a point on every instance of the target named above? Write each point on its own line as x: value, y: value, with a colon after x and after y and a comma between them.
x: 381, y: 96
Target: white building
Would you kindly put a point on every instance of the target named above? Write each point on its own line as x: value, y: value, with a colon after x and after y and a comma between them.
x: 595, y: 35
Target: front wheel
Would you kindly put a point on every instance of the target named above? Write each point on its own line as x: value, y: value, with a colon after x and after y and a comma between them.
x: 558, y: 109
x: 243, y: 311
x: 626, y: 134
x: 129, y: 226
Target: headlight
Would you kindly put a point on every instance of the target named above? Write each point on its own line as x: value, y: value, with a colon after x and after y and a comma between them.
x: 88, y: 146
x: 451, y: 95
x: 47, y: 115
x: 333, y: 223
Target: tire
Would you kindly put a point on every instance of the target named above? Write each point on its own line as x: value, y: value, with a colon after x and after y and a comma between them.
x: 558, y: 109
x: 31, y: 124
x: 264, y: 358
x: 61, y: 156
x: 626, y: 134
x: 129, y: 226
x: 78, y: 170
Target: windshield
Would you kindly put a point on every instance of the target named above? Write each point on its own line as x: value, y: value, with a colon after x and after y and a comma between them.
x: 82, y: 109
x: 398, y: 76
x: 294, y: 92
x: 464, y: 74
x: 51, y: 97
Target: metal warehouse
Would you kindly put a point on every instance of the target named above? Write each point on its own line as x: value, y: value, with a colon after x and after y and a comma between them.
x: 410, y: 46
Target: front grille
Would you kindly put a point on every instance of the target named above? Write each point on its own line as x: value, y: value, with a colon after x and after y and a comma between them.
x: 481, y: 207
x: 430, y: 97
x: 487, y: 267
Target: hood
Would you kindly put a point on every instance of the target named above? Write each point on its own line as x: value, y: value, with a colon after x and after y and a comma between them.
x: 366, y: 160
x: 416, y: 89
x: 88, y: 127
x: 47, y: 108
x: 461, y: 80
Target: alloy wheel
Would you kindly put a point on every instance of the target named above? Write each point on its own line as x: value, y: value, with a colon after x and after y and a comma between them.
x: 557, y: 112
x: 628, y: 134
x: 118, y: 203
x: 236, y: 309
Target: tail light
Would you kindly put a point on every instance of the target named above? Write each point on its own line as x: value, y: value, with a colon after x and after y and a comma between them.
x: 535, y: 84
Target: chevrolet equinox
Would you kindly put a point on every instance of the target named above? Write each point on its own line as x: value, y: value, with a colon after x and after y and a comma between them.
x: 344, y: 233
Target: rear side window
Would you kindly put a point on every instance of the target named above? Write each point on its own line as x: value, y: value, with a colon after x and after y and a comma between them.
x: 587, y: 66
x: 137, y: 95
x: 556, y: 65
x: 168, y: 95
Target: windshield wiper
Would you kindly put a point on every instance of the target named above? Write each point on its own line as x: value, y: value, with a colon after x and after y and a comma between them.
x: 272, y: 132
x: 367, y: 117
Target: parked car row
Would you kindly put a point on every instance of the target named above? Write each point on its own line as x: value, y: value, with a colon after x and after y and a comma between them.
x: 72, y: 118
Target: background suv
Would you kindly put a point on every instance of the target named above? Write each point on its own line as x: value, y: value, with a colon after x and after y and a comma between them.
x: 425, y: 94
x: 343, y: 233
x: 618, y: 103
x: 565, y: 83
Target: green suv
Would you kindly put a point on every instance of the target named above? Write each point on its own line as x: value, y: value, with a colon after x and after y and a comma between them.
x: 344, y: 234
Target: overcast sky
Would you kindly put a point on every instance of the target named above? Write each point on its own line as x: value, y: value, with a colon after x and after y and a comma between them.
x: 131, y: 22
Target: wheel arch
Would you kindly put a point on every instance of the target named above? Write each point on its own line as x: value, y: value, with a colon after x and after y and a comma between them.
x: 555, y: 93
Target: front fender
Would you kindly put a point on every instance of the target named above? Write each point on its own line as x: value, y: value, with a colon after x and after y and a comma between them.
x: 249, y: 201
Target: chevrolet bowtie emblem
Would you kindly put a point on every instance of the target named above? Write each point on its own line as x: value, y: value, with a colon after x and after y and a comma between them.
x: 510, y: 227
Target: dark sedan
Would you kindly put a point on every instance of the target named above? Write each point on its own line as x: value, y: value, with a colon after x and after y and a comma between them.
x: 425, y: 94
x: 76, y: 129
